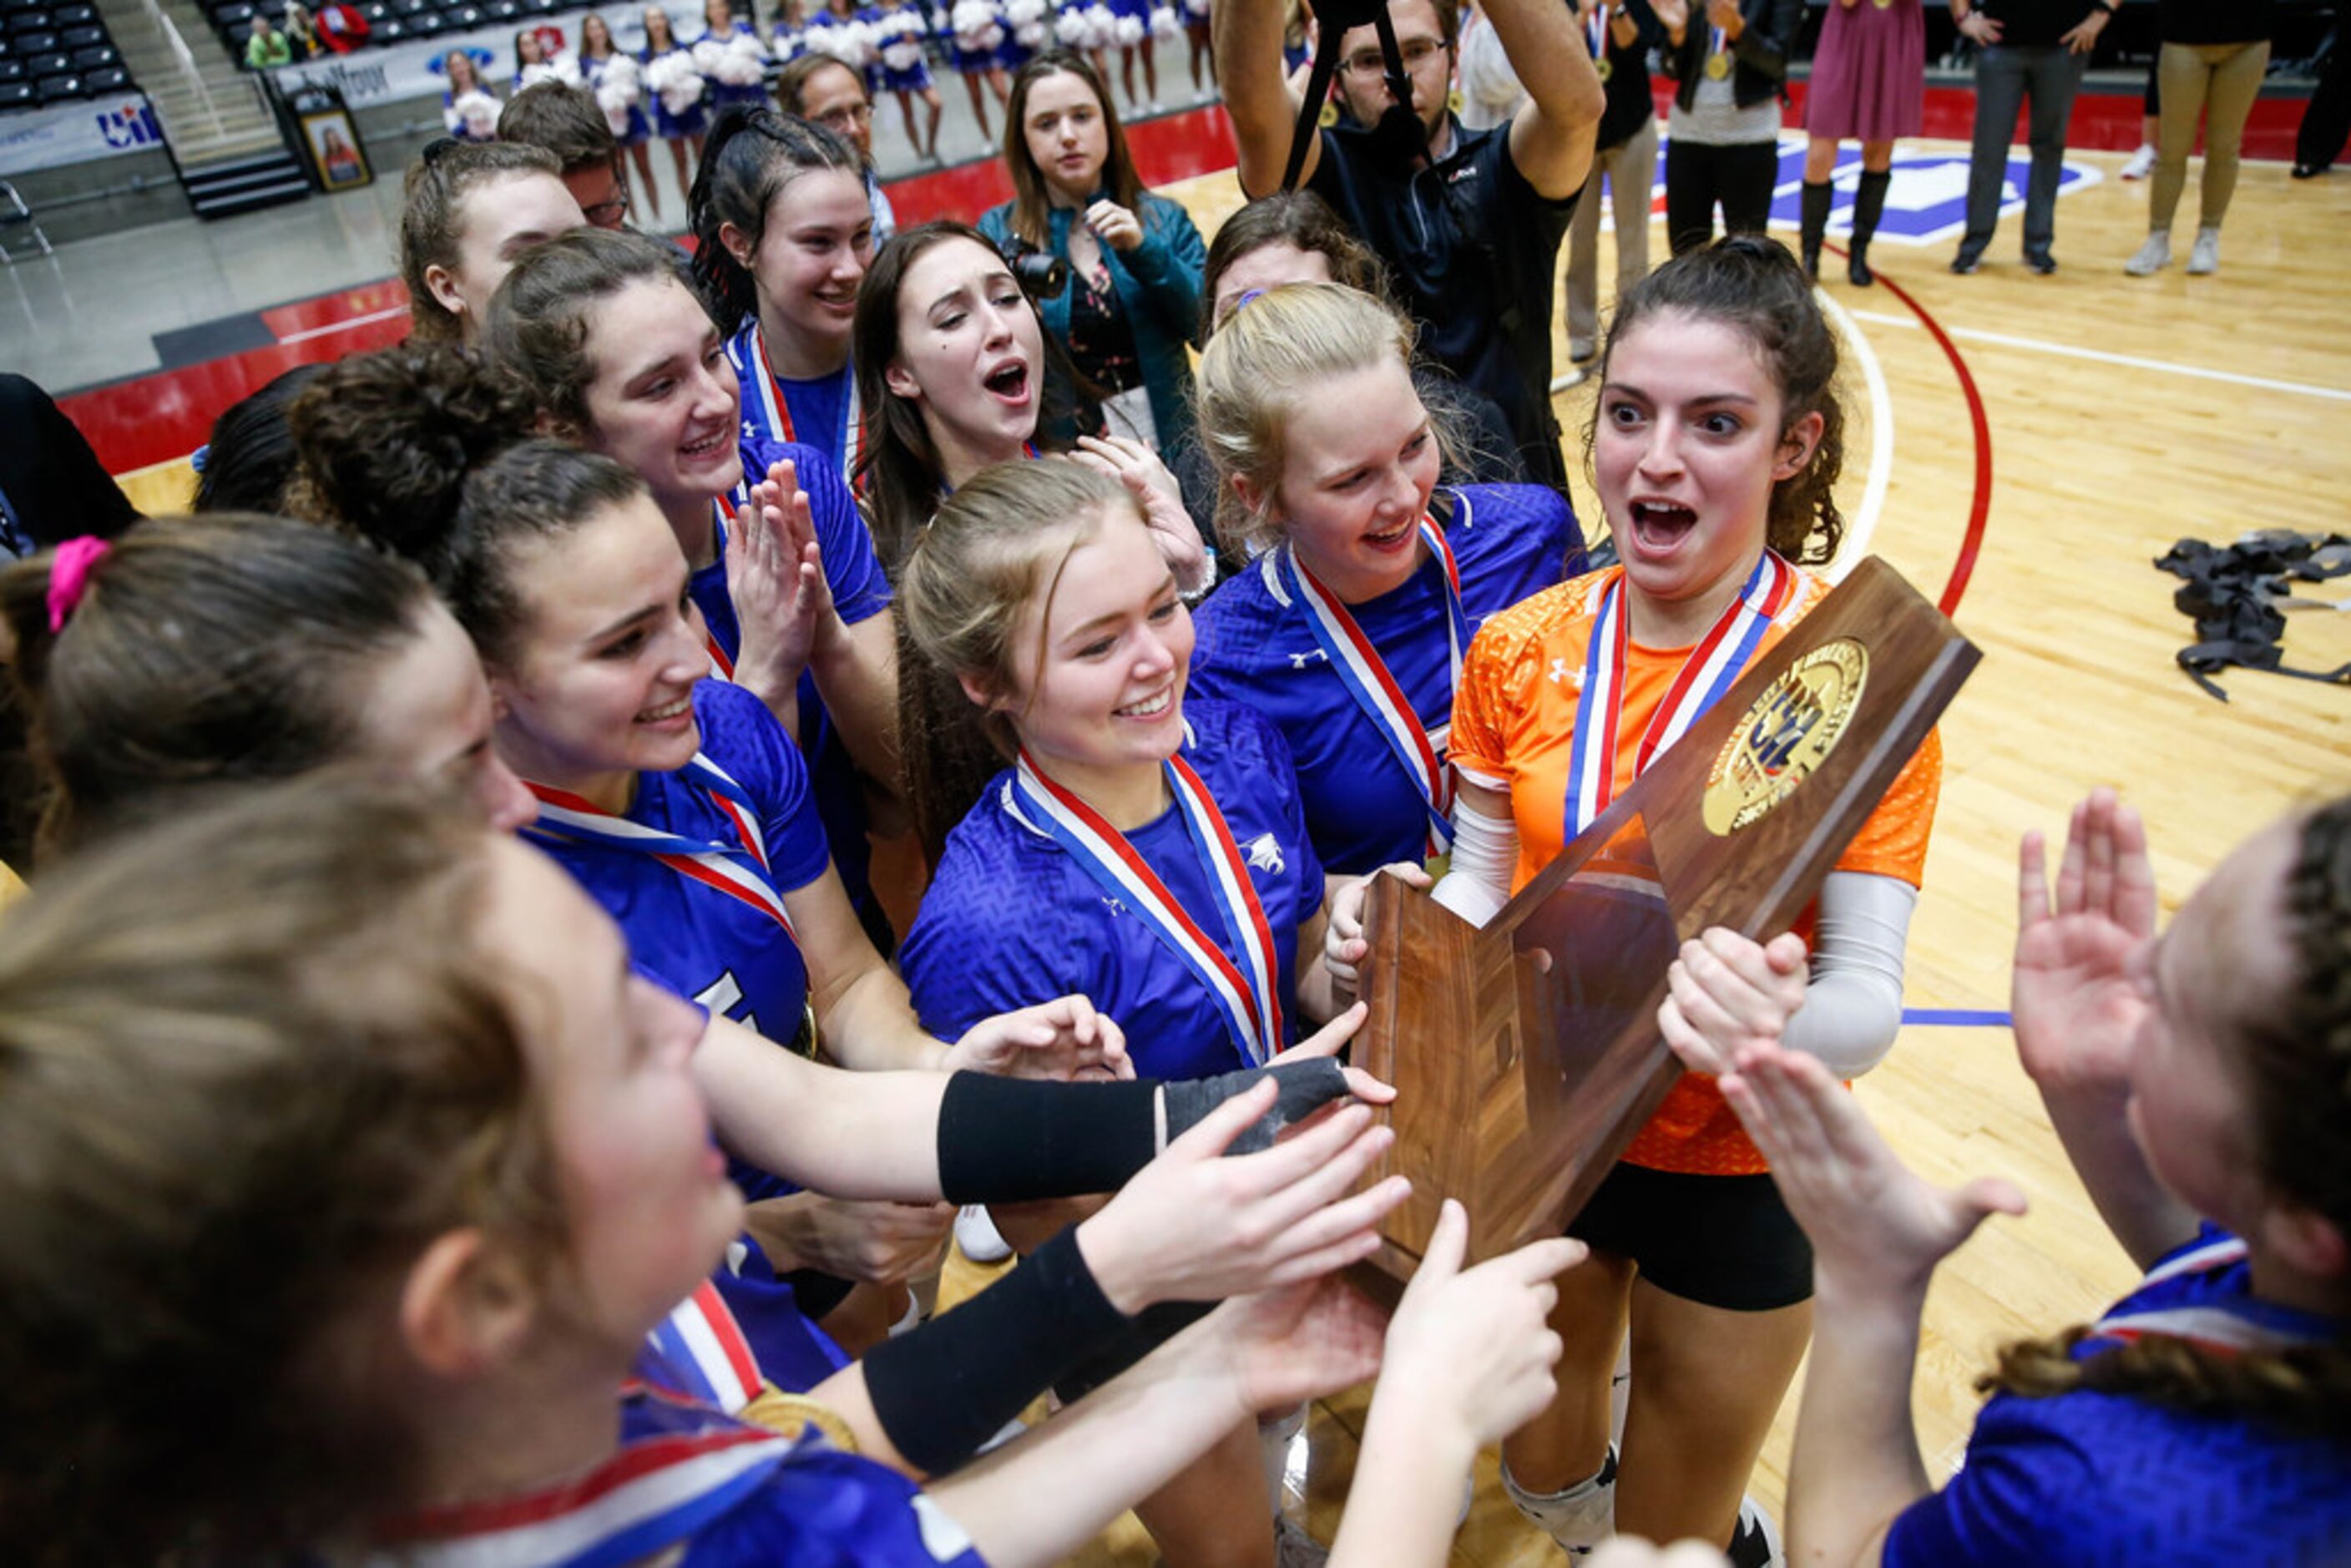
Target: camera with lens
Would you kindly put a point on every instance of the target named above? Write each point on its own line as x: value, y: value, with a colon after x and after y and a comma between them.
x: 1042, y: 275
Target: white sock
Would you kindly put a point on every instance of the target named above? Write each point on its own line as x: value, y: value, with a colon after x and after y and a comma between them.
x: 1579, y: 1517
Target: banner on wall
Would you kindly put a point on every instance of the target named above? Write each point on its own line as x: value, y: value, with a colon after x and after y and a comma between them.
x: 77, y: 133
x: 375, y: 76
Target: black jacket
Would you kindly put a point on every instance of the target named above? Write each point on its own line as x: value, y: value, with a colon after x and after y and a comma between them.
x: 1759, y: 54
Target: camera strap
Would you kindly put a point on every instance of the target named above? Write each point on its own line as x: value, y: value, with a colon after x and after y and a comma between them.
x: 1332, y: 24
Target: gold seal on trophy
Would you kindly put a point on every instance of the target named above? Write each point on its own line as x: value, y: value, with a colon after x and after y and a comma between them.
x: 1786, y: 734
x: 1717, y: 66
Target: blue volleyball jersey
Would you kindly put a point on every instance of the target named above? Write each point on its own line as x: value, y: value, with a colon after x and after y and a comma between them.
x: 1012, y: 919
x: 859, y: 592
x: 693, y: 1486
x: 698, y: 941
x: 2108, y: 1478
x: 1256, y: 645
x: 778, y: 409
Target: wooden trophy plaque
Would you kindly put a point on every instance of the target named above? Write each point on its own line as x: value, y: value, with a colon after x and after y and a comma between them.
x: 1526, y: 1054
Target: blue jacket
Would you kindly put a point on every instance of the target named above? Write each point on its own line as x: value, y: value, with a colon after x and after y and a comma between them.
x: 1158, y: 285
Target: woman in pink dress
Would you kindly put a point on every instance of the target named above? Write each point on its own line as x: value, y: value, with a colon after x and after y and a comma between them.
x: 1869, y: 85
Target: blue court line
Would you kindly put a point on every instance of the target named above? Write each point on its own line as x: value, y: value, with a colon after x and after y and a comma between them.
x: 1956, y: 1018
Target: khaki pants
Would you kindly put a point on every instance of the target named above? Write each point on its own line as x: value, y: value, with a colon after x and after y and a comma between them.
x: 1631, y: 169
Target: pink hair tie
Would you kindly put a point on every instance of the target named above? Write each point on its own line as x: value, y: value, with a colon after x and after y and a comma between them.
x: 70, y: 576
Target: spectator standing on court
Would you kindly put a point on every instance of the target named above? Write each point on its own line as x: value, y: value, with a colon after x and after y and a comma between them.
x: 1470, y: 232
x: 2326, y: 119
x: 2215, y: 54
x: 1730, y: 61
x: 2026, y: 50
x: 1869, y: 85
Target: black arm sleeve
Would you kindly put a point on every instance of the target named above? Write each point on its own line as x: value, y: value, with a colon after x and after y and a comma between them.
x: 1012, y: 1140
x: 946, y: 1387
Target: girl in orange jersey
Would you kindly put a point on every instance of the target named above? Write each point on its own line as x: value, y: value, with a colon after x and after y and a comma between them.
x: 1715, y: 443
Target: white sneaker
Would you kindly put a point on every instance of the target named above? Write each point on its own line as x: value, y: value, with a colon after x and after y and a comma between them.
x: 2153, y: 256
x: 1580, y: 1518
x: 2141, y: 164
x: 2206, y: 255
x: 1756, y: 1542
x: 976, y: 1235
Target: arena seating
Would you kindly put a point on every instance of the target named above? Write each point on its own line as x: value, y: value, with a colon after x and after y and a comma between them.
x: 51, y: 52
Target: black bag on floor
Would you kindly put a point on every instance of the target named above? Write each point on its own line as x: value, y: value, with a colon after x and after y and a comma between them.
x: 2235, y: 593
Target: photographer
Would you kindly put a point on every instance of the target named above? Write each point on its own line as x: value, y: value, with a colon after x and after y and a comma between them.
x: 1132, y: 305
x: 1469, y: 223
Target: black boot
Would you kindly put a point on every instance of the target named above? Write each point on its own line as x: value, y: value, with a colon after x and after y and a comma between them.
x: 1816, y: 223
x: 1869, y: 205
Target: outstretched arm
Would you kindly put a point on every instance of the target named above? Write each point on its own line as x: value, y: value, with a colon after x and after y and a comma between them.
x: 1552, y: 141
x: 1246, y: 35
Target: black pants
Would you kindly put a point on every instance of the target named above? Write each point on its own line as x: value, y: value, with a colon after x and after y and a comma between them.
x: 1741, y: 177
x: 2048, y: 75
x: 2327, y: 120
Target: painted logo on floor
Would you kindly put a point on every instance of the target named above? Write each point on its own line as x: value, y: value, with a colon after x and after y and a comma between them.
x: 1927, y: 204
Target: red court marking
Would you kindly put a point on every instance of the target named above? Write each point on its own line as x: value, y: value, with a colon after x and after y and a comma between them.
x: 1970, y: 541
x: 304, y: 315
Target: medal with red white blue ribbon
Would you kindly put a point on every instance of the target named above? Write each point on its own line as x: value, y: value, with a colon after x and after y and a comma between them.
x: 1374, y: 688
x: 722, y: 663
x: 2214, y: 1329
x: 699, y: 1349
x: 1711, y: 669
x: 1248, y: 993
x: 778, y: 409
x: 738, y: 870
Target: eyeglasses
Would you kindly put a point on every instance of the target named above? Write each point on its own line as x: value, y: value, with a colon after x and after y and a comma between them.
x: 845, y: 116
x: 1366, y: 63
x: 605, y: 215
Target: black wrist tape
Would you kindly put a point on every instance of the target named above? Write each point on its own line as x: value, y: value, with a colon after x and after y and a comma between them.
x: 1011, y: 1140
x: 1144, y: 1332
x: 941, y: 1390
x: 1304, y: 1087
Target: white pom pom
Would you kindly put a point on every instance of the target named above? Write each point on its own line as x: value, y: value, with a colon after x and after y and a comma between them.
x: 1071, y: 30
x: 479, y: 112
x: 1103, y: 25
x: 1197, y: 9
x: 901, y: 54
x: 1164, y: 23
x: 1127, y: 32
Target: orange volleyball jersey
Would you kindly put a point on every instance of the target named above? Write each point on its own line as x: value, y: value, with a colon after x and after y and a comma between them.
x: 1514, y: 729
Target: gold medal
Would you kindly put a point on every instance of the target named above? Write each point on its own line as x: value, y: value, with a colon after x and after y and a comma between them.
x: 1605, y: 67
x: 1717, y: 66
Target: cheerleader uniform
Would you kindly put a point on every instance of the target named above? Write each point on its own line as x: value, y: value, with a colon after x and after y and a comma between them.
x: 1528, y: 720
x: 454, y: 118
x: 2107, y: 1478
x: 1195, y: 963
x: 694, y: 121
x: 897, y: 26
x: 753, y: 94
x: 1286, y: 648
x: 637, y: 129
x: 1036, y: 15
x: 693, y: 1486
x: 859, y: 59
x: 859, y: 592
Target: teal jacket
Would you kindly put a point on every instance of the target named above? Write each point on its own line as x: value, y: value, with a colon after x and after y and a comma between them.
x: 1158, y: 285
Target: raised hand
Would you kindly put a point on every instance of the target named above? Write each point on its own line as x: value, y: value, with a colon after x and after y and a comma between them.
x: 1119, y: 227
x: 1877, y: 1228
x: 1727, y: 992
x: 1344, y: 945
x: 1301, y: 1342
x: 1146, y: 478
x: 1672, y: 15
x: 1064, y: 1039
x: 1473, y: 1350
x: 2079, y: 993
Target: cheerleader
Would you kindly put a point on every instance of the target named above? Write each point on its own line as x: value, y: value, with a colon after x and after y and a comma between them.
x: 731, y: 57
x: 1088, y: 27
x: 782, y: 276
x: 465, y: 212
x: 619, y: 85
x: 1349, y: 629
x: 950, y: 358
x: 1868, y: 85
x: 1155, y: 848
x: 1717, y: 437
x: 2197, y: 1083
x: 1196, y: 34
x: 789, y: 42
x: 979, y: 38
x: 680, y: 94
x: 1134, y: 32
x: 839, y: 31
x: 620, y: 355
x: 468, y: 108
x: 535, y: 62
x: 897, y: 29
